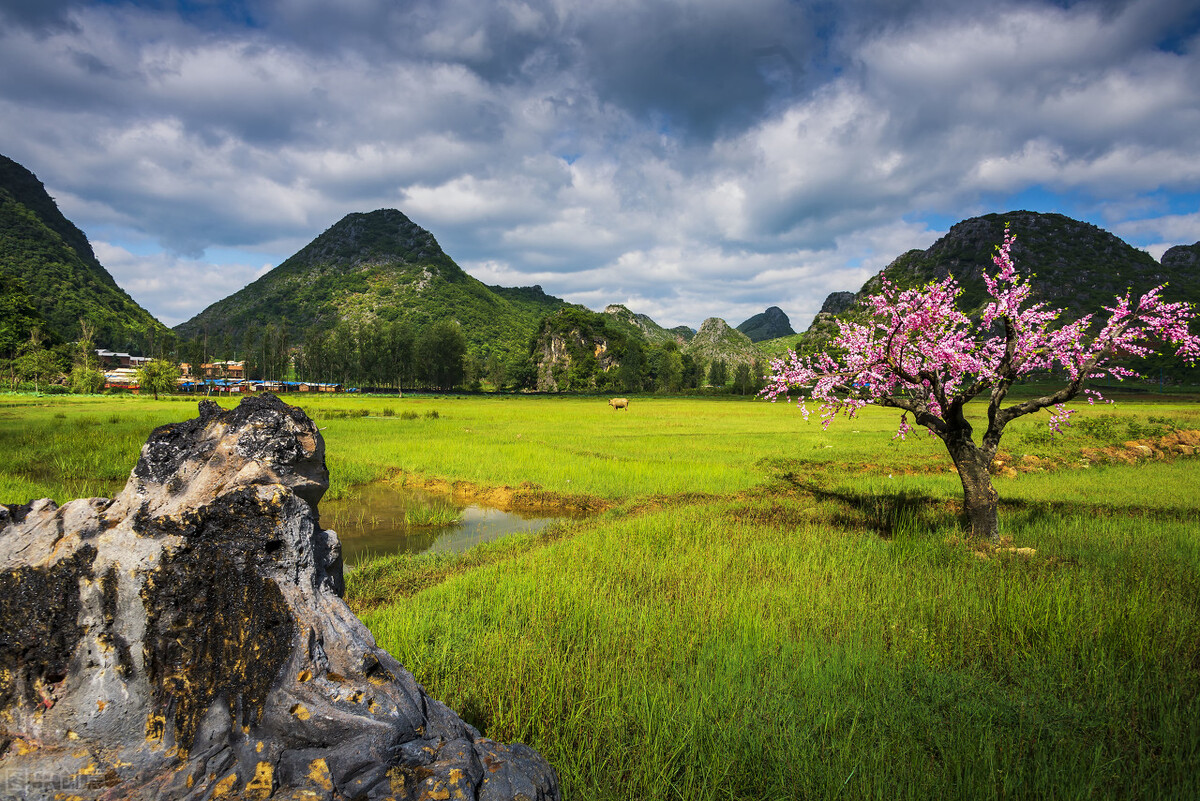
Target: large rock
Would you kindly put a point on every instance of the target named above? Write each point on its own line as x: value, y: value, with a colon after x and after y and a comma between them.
x: 187, y: 639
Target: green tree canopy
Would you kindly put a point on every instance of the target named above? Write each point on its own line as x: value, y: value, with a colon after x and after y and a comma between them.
x: 158, y: 375
x: 440, y: 351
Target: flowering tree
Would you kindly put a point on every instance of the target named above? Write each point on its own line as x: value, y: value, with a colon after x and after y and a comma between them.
x: 920, y: 354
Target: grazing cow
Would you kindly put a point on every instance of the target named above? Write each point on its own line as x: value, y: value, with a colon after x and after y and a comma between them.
x: 619, y: 403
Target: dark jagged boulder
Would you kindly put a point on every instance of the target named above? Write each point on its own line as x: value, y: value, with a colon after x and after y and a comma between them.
x: 187, y: 640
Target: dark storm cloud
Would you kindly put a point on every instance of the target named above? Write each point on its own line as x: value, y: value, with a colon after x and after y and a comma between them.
x: 36, y: 14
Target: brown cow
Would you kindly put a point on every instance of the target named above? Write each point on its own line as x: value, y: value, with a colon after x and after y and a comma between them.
x: 619, y: 403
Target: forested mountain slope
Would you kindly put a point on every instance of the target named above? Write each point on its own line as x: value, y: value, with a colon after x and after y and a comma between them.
x: 47, y: 264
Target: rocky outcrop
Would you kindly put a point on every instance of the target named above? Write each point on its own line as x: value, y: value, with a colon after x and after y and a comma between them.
x: 576, y: 349
x: 770, y: 324
x: 187, y: 640
x: 1182, y: 259
x: 837, y: 302
x: 1164, y: 448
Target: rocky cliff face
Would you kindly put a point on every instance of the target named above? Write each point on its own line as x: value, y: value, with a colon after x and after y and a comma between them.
x: 187, y: 640
x: 560, y: 351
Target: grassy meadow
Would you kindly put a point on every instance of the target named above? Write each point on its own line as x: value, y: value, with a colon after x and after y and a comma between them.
x: 763, y: 609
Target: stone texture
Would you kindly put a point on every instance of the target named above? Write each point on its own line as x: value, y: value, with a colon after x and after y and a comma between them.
x: 187, y: 639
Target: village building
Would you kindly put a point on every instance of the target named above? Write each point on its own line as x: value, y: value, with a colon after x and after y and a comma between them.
x: 111, y: 360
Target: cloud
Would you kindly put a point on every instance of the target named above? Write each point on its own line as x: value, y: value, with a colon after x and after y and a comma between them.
x: 688, y: 157
x: 174, y: 289
x: 1162, y: 233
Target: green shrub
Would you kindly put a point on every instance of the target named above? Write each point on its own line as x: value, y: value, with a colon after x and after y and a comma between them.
x: 1104, y: 427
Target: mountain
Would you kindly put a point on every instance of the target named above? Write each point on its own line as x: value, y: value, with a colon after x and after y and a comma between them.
x: 1182, y: 260
x: 46, y: 264
x: 769, y: 324
x: 581, y: 350
x: 1078, y: 267
x: 378, y: 266
x: 643, y: 326
x: 836, y: 303
x: 716, y: 340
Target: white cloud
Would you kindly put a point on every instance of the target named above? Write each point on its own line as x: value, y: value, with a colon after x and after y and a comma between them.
x: 712, y: 162
x: 1162, y: 233
x: 174, y: 289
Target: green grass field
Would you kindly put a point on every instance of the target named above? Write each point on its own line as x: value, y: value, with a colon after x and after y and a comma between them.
x: 765, y: 609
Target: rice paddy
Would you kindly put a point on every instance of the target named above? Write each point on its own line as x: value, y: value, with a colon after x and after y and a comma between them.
x: 764, y: 609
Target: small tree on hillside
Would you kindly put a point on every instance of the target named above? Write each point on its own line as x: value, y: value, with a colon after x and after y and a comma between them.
x: 38, y: 365
x: 920, y: 354
x: 158, y: 375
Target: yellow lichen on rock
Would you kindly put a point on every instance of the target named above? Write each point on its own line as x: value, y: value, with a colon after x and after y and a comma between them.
x: 263, y: 782
x: 318, y: 774
x: 438, y: 792
x: 225, y: 786
x: 155, y: 726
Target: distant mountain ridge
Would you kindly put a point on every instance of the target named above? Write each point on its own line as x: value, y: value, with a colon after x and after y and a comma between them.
x: 379, y: 266
x: 1077, y: 266
x: 716, y: 339
x: 50, y: 258
x: 1182, y: 259
x: 642, y: 325
x: 769, y: 324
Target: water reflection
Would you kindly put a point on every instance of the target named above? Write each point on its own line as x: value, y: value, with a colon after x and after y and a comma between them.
x: 378, y: 521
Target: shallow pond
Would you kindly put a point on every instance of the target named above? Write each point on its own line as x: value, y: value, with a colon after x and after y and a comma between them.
x: 386, y: 519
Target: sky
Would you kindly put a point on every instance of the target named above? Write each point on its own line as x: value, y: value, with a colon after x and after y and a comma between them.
x: 687, y: 158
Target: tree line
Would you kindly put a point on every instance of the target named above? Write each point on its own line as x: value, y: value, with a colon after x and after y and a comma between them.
x: 373, y: 354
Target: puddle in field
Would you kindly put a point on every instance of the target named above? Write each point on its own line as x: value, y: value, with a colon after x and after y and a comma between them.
x: 378, y: 521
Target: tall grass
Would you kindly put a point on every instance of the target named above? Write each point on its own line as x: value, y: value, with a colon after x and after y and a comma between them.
x: 690, y: 654
x: 768, y: 610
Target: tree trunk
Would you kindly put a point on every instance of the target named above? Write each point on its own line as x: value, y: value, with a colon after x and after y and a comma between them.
x: 979, y: 498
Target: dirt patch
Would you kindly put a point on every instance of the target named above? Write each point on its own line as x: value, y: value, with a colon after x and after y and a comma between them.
x: 526, y: 497
x: 1166, y: 448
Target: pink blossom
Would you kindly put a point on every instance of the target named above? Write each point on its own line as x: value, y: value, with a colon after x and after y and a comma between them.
x: 919, y: 353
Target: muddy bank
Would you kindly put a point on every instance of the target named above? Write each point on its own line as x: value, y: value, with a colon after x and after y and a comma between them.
x: 525, y: 497
x: 382, y: 519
